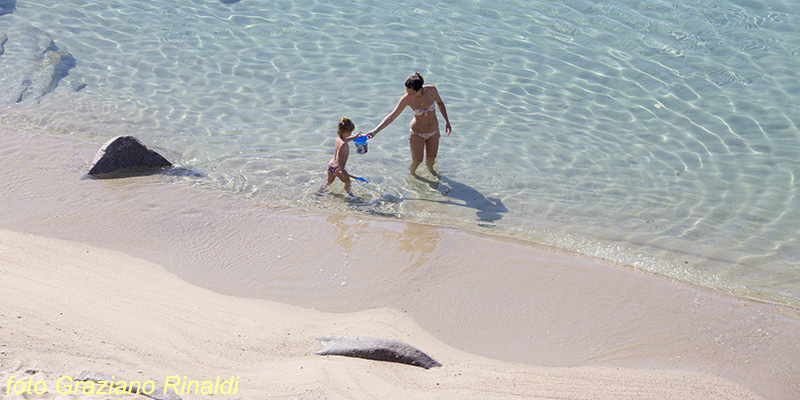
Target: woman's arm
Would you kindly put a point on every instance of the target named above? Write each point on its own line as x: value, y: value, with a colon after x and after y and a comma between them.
x: 398, y: 109
x: 440, y: 103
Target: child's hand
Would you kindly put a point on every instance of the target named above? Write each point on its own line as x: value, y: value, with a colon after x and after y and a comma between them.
x: 354, y: 136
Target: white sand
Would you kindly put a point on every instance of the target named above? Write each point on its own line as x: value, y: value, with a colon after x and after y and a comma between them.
x: 69, y: 307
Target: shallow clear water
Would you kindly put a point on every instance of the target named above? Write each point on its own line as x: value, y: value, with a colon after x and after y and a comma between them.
x: 655, y: 134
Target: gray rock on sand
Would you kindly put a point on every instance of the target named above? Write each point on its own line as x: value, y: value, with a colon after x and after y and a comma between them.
x: 32, y: 65
x: 125, y: 156
x: 158, y: 392
x: 375, y: 349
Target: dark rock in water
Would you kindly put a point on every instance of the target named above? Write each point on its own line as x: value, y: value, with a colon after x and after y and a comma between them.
x: 375, y: 349
x: 32, y: 65
x: 7, y: 6
x: 229, y: 1
x: 125, y: 156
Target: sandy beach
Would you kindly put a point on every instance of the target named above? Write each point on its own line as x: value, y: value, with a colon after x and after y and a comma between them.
x: 71, y: 307
x: 153, y: 277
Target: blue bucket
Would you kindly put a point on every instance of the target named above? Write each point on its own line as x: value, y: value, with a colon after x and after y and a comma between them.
x: 361, y: 144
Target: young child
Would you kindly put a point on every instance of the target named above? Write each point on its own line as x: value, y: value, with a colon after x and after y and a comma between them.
x: 341, y: 151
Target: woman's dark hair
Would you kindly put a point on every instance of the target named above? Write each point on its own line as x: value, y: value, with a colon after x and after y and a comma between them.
x: 415, y: 82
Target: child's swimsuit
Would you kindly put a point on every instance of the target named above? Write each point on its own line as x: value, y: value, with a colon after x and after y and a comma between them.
x: 332, y: 169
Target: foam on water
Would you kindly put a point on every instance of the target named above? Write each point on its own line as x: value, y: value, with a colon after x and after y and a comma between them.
x: 658, y: 135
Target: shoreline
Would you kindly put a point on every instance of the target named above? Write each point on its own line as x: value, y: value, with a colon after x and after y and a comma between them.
x: 514, y: 302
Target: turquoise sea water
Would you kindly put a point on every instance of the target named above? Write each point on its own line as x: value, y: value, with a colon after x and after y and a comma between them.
x: 658, y: 135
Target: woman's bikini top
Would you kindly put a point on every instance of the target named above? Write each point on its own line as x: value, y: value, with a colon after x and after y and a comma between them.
x: 424, y: 111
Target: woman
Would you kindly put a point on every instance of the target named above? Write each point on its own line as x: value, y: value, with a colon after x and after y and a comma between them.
x: 423, y: 138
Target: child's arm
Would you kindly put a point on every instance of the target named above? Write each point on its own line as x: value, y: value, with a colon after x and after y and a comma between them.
x: 350, y: 138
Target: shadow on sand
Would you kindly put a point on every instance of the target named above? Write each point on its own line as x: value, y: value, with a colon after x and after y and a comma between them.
x: 488, y: 209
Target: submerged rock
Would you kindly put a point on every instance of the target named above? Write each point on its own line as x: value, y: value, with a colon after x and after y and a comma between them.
x: 32, y: 65
x: 7, y: 6
x: 125, y: 156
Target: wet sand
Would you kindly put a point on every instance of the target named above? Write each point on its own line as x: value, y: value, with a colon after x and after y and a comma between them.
x: 500, y: 301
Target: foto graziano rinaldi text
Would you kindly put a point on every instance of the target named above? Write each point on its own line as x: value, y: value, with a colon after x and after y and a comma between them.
x: 172, y: 384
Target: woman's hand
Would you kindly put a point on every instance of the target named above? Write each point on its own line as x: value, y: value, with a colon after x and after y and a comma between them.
x: 447, y: 128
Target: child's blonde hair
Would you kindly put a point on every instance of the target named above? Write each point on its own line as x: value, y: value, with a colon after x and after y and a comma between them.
x: 345, y: 125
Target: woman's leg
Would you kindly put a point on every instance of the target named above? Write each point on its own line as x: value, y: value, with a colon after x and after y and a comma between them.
x: 431, y: 151
x: 417, y: 145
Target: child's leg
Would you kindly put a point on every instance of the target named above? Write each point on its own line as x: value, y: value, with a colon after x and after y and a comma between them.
x: 345, y: 178
x: 331, y: 178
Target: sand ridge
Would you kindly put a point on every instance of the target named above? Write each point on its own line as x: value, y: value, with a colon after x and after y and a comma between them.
x: 71, y: 307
